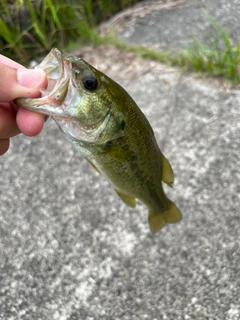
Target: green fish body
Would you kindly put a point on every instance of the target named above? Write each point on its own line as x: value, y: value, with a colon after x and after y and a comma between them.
x: 100, y: 118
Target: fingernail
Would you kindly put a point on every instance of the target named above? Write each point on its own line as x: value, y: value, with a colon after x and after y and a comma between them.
x: 30, y: 78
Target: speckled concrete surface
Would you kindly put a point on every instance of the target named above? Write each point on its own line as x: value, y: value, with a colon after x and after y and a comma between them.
x: 172, y: 25
x: 70, y: 249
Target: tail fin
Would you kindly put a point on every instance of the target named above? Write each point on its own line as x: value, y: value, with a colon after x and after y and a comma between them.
x: 158, y: 220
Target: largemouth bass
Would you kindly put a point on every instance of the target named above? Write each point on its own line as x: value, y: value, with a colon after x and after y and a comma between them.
x: 100, y: 118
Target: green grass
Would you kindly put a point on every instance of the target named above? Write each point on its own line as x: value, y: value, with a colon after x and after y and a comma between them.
x: 30, y: 29
x: 219, y: 60
x: 68, y: 24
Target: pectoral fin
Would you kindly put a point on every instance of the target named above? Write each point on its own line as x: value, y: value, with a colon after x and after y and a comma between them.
x: 130, y: 201
x: 167, y: 174
x: 120, y: 154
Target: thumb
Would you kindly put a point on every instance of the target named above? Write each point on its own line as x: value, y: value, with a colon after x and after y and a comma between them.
x: 16, y: 83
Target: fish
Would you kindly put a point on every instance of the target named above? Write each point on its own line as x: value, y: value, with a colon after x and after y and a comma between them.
x: 105, y: 124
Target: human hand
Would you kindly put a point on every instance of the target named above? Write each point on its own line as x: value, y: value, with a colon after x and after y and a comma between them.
x: 16, y: 82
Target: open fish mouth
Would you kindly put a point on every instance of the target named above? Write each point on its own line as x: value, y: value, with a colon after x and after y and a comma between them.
x: 62, y: 99
x: 60, y: 91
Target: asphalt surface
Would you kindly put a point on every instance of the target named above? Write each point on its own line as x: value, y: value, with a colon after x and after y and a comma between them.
x: 70, y: 249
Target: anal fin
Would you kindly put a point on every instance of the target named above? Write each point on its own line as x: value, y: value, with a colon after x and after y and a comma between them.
x: 130, y: 201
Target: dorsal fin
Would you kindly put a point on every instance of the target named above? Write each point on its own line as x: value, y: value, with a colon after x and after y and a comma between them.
x: 167, y: 172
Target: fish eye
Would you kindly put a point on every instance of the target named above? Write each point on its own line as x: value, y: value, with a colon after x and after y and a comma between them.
x: 90, y: 82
